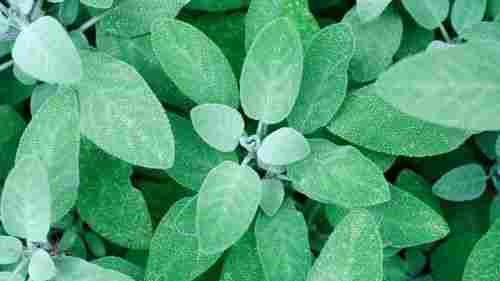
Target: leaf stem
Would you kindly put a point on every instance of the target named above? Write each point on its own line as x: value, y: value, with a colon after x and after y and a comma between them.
x: 92, y: 21
x: 6, y: 65
x: 445, y: 34
x: 261, y: 130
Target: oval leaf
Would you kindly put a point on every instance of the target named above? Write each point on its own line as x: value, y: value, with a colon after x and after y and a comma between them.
x: 369, y: 10
x: 11, y: 249
x: 464, y: 183
x: 41, y: 266
x: 428, y: 13
x: 283, y: 147
x: 72, y: 269
x: 273, y: 194
x: 466, y: 13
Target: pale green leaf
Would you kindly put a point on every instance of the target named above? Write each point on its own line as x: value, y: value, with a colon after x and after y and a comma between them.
x: 273, y: 194
x: 242, y: 261
x: 45, y: 51
x: 99, y: 4
x: 220, y: 126
x: 283, y: 147
x: 466, y: 13
x: 340, y: 175
x: 121, y: 265
x: 23, y: 77
x: 24, y: 6
x: 227, y: 203
x: 415, y: 87
x: 428, y: 13
x: 194, y: 62
x: 463, y: 183
x: 75, y: 269
x: 324, y: 82
x: 174, y: 251
x: 40, y: 95
x: 41, y: 266
x: 483, y: 31
x: 53, y: 135
x: 353, y: 251
x: 11, y: 249
x: 25, y: 202
x: 283, y: 245
x: 121, y: 114
x: 272, y: 72
x: 9, y: 276
x: 68, y: 12
x: 369, y: 10
x: 367, y: 120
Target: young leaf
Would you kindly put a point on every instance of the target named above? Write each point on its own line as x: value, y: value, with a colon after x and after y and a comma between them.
x: 283, y: 245
x: 340, y: 175
x: 413, y: 84
x: 428, y: 13
x: 482, y: 262
x: 227, y: 202
x: 196, y: 158
x: 174, y: 253
x: 121, y: 265
x: 220, y: 126
x: 283, y: 147
x: 406, y: 221
x: 45, y: 51
x: 353, y: 251
x: 195, y: 63
x: 139, y: 134
x: 11, y: 249
x: 75, y: 269
x: 99, y: 4
x: 25, y: 202
x: 464, y: 183
x: 369, y: 10
x: 109, y: 203
x: 53, y: 135
x: 367, y: 120
x: 273, y: 194
x: 324, y: 83
x: 466, y: 13
x: 272, y: 72
x: 41, y: 266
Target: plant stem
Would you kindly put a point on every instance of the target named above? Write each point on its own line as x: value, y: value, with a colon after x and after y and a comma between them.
x: 261, y: 130
x: 91, y: 22
x: 6, y: 65
x: 445, y: 34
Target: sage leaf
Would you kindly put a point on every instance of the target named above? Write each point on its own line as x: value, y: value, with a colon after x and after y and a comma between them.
x: 99, y: 4
x: 40, y: 95
x: 467, y: 13
x: 121, y: 265
x: 428, y: 13
x: 273, y: 194
x: 41, y: 266
x: 339, y: 175
x: 45, y: 51
x: 482, y: 31
x: 464, y: 183
x: 369, y: 10
x: 11, y: 249
x: 10, y: 276
x: 415, y: 38
x: 272, y: 72
x: 227, y: 203
x: 419, y: 187
x: 283, y: 147
x: 25, y: 202
x: 220, y: 126
x: 72, y: 269
x: 217, y: 5
x: 13, y: 126
x: 353, y: 251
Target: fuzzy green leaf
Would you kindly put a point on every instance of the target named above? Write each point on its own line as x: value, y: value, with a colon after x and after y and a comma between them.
x: 11, y: 249
x: 483, y: 31
x: 75, y: 269
x: 99, y: 4
x: 466, y: 13
x: 217, y: 5
x: 464, y: 183
x: 428, y: 13
x: 283, y: 147
x: 40, y: 95
x: 121, y: 265
x: 369, y: 10
x: 227, y: 203
x: 273, y: 194
x: 419, y: 187
x: 41, y: 266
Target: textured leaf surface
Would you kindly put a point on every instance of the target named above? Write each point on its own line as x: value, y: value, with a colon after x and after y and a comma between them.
x: 109, y: 203
x: 218, y: 125
x: 45, y: 51
x: 464, y: 183
x: 324, y: 82
x: 99, y: 4
x: 283, y: 245
x: 227, y: 203
x: 340, y: 175
x: 11, y: 249
x: 53, y: 135
x: 367, y: 120
x: 72, y: 269
x: 121, y: 114
x: 174, y: 250
x: 194, y: 63
x: 273, y: 194
x: 466, y: 13
x: 413, y: 85
x: 40, y: 95
x: 353, y: 251
x: 25, y: 202
x: 272, y: 72
x: 419, y: 187
x: 121, y: 265
x: 217, y: 5
x: 283, y: 147
x: 483, y: 31
x: 242, y: 262
x: 369, y: 10
x: 428, y: 13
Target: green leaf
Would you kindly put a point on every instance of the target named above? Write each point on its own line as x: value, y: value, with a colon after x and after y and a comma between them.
x: 367, y: 120
x: 198, y: 158
x: 413, y: 84
x: 493, y: 8
x: 469, y: 216
x: 217, y: 5
x: 40, y: 95
x: 416, y: 261
x: 139, y: 134
x: 174, y: 250
x: 376, y: 43
x: 262, y: 12
x: 41, y: 266
x: 466, y: 13
x: 369, y: 10
x: 10, y: 276
x: 23, y: 77
x: 220, y: 126
x: 486, y: 142
x: 324, y: 83
x: 415, y: 38
x: 242, y: 261
x: 68, y: 11
x: 428, y: 13
x: 95, y: 244
x: 419, y: 187
x: 339, y: 175
x: 134, y: 17
x: 482, y: 262
x: 283, y: 147
x: 353, y: 251
x: 194, y: 62
x: 495, y: 209
x: 45, y: 51
x: 464, y: 183
x: 53, y: 135
x: 109, y: 203
x: 99, y: 4
x: 12, y: 128
x: 227, y: 203
x: 25, y: 202
x: 75, y: 269
x: 283, y: 245
x: 272, y: 72
x: 121, y: 265
x: 273, y: 194
x: 482, y: 31
x: 12, y: 91
x: 406, y: 221
x: 11, y: 249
